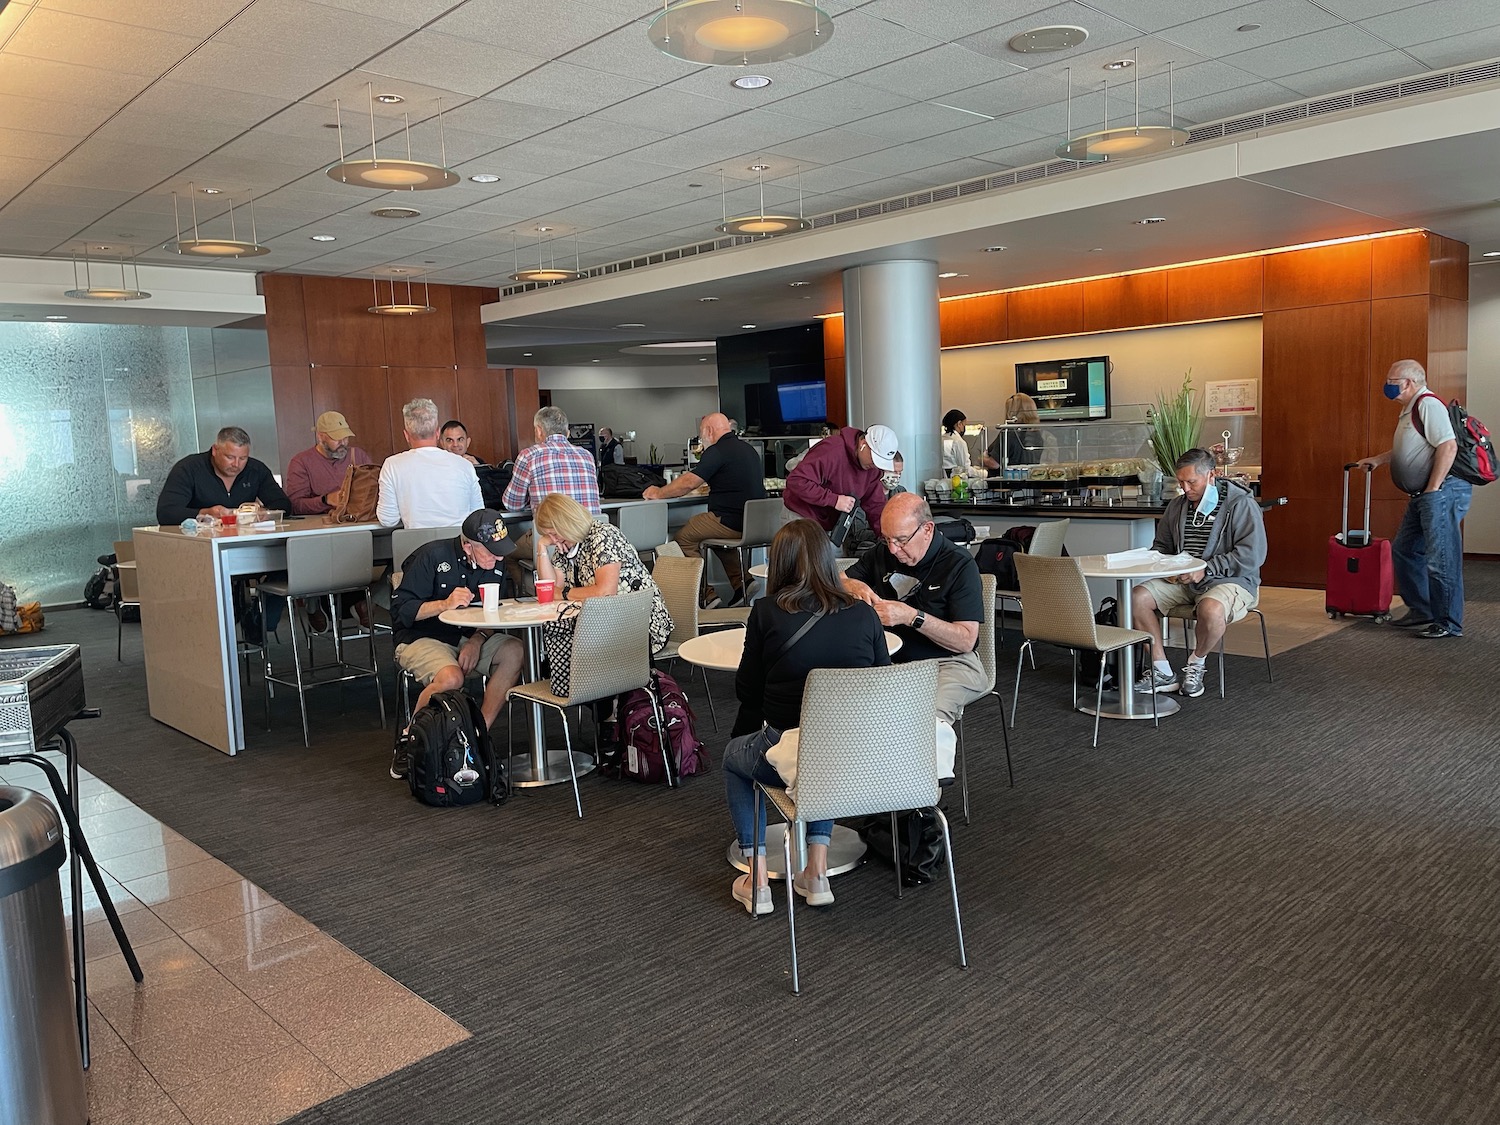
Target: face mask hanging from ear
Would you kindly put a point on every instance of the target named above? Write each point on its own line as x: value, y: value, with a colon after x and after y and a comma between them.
x: 1209, y: 502
x: 1393, y: 391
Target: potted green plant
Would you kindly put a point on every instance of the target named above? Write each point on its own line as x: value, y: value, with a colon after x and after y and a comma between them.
x: 1174, y: 425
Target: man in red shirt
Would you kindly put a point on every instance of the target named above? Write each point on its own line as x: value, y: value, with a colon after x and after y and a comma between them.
x: 315, y: 476
x: 841, y: 473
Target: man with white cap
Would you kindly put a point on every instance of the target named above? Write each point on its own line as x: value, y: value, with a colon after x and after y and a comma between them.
x: 315, y: 476
x: 841, y: 473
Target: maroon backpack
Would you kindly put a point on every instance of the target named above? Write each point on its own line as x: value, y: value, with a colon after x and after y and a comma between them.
x: 641, y: 743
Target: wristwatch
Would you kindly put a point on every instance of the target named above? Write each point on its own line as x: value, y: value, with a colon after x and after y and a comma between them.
x: 918, y: 621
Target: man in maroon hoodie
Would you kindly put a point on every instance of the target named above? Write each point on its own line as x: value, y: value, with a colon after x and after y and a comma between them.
x: 841, y: 472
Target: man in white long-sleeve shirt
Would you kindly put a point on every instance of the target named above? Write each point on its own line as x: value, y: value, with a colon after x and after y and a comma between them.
x: 426, y: 486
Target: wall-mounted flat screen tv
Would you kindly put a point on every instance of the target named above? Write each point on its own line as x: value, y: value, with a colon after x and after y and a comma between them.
x: 803, y: 402
x: 1067, y: 390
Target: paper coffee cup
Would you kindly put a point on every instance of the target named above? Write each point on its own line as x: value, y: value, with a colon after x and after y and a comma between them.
x: 543, y: 591
x: 489, y: 592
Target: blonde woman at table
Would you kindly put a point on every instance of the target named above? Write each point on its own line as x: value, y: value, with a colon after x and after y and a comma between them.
x: 805, y: 621
x: 587, y: 558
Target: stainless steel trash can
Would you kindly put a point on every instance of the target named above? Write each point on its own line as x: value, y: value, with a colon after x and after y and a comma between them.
x: 41, y: 1064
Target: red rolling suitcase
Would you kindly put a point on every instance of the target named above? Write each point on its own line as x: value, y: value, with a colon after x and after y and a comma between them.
x: 1360, y: 578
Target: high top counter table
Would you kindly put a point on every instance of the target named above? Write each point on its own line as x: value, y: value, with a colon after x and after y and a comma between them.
x: 187, y: 618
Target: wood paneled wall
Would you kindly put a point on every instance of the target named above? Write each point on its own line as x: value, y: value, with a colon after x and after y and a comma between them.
x: 1334, y: 318
x: 329, y: 353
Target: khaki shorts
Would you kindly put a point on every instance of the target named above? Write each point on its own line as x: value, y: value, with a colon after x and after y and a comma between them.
x: 425, y: 657
x: 1236, y: 600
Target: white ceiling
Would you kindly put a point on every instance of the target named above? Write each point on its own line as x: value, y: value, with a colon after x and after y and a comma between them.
x: 107, y: 107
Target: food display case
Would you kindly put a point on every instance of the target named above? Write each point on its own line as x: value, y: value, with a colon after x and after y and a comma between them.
x: 1080, y: 457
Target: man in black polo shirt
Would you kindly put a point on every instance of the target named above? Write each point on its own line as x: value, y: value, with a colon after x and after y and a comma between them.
x: 217, y: 482
x: 926, y: 588
x: 733, y: 472
x: 442, y: 575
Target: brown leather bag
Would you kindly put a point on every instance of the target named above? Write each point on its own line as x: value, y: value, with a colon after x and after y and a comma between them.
x: 357, y: 495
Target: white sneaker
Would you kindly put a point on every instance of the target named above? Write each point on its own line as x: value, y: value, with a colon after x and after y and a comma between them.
x: 1192, y: 680
x: 1157, y: 681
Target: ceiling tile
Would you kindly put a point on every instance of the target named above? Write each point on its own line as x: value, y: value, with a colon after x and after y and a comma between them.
x: 45, y: 147
x: 626, y: 51
x: 1009, y: 95
x: 1039, y: 151
x: 1363, y: 9
x: 1457, y: 50
x: 64, y: 37
x: 952, y: 19
x: 786, y: 79
x: 506, y: 120
x: 311, y: 31
x: 1367, y: 71
x: 537, y: 154
x: 560, y: 85
x: 925, y: 121
x: 1104, y: 30
x: 667, y: 110
x: 1215, y: 36
x: 839, y: 103
x: 33, y: 77
x: 1306, y: 52
x: 1437, y: 19
x: 200, y: 18
x: 274, y: 74
x: 861, y: 42
x: 932, y: 74
x: 1000, y: 133
x: 548, y: 29
x: 832, y: 146
x: 170, y: 97
x: 1148, y: 15
x: 1234, y: 103
x: 465, y: 65
x: 40, y: 116
x: 408, y: 13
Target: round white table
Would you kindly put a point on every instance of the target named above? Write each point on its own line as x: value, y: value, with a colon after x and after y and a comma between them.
x: 526, y: 616
x: 762, y: 570
x: 721, y: 651
x: 1122, y: 703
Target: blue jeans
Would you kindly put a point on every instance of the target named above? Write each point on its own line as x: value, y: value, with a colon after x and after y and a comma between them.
x: 745, y: 764
x: 1428, y: 554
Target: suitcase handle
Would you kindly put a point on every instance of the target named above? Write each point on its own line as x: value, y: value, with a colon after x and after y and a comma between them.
x: 1369, y: 488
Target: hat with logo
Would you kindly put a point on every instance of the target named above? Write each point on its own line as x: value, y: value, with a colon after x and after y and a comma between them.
x: 882, y: 443
x: 332, y: 423
x: 487, y: 528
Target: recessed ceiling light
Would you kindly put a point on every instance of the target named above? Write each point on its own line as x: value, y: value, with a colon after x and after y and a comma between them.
x: 695, y: 185
x: 1492, y: 254
x: 211, y: 191
x: 1041, y: 39
x: 398, y: 269
x: 1150, y: 221
x: 484, y: 178
x: 541, y: 229
x: 760, y: 167
x: 1120, y: 64
x: 751, y: 82
x: 389, y: 99
x: 332, y: 125
x: 396, y: 213
x: 1248, y: 27
x: 630, y: 325
x: 1096, y: 250
x: 323, y: 237
x: 747, y: 326
x: 593, y: 361
x: 798, y: 284
x: 684, y: 345
x: 56, y: 316
x: 706, y: 300
x: 949, y: 273
x: 103, y: 247
x: 995, y: 249
x: 526, y: 355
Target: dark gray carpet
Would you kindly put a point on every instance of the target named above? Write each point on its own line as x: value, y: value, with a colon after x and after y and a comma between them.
x: 1280, y: 908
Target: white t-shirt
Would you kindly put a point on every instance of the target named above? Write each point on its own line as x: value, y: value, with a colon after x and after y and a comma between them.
x: 427, y: 487
x: 955, y: 454
x: 1411, y: 452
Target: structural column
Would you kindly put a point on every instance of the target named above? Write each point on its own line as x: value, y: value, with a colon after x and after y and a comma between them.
x: 891, y: 348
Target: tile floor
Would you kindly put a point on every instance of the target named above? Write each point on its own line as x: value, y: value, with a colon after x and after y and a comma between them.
x: 248, y: 1014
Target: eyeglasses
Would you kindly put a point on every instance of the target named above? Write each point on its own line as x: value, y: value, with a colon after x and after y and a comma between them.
x: 903, y: 540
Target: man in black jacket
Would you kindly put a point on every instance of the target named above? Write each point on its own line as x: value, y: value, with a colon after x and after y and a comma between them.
x: 216, y: 482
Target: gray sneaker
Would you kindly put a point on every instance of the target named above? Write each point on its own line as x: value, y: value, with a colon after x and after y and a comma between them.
x: 1155, y: 680
x: 1192, y: 680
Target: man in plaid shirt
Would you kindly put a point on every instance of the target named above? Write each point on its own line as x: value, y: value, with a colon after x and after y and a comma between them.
x: 554, y: 464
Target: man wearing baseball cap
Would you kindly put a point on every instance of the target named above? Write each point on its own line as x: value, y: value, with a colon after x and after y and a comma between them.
x: 841, y: 473
x: 314, y: 476
x: 442, y: 575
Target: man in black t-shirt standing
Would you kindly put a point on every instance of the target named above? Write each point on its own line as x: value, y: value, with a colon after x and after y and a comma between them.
x: 926, y: 589
x: 734, y: 474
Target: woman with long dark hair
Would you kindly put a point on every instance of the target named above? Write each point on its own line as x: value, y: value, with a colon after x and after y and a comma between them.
x: 805, y: 621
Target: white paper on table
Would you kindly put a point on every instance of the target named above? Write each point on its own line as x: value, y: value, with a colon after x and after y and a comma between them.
x: 1136, y: 557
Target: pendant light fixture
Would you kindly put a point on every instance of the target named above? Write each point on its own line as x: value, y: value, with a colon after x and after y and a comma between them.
x: 88, y: 291
x: 762, y: 224
x: 200, y: 247
x: 1124, y: 142
x: 393, y: 307
x: 739, y: 32
x: 388, y: 173
x: 545, y: 272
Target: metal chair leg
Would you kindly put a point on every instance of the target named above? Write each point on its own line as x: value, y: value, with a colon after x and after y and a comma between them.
x: 1099, y: 698
x: 958, y: 925
x: 1015, y: 699
x: 265, y: 659
x: 963, y: 764
x: 375, y: 668
x: 1221, y: 667
x: 1265, y: 643
x: 791, y: 898
x: 572, y: 770
x: 896, y: 851
x: 709, y: 695
x: 1005, y: 734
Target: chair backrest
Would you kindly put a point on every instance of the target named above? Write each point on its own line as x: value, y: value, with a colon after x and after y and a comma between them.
x: 868, y: 740
x: 1056, y: 608
x: 679, y: 579
x: 643, y: 523
x: 987, y: 631
x: 124, y: 550
x: 130, y: 586
x: 405, y: 540
x: 328, y: 562
x: 763, y: 519
x: 1047, y: 539
x: 611, y: 646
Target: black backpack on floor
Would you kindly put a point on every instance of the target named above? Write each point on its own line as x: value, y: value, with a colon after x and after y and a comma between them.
x: 451, y: 760
x: 998, y: 557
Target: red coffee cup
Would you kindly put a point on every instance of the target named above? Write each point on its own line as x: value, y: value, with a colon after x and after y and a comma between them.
x: 543, y: 591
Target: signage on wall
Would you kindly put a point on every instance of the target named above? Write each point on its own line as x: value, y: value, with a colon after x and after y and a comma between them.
x: 1231, y: 396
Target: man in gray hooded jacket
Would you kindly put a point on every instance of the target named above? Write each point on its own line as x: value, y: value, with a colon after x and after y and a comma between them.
x: 1219, y: 522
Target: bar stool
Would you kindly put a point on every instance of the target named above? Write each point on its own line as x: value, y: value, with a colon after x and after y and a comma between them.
x: 321, y: 565
x: 763, y: 519
x: 645, y: 525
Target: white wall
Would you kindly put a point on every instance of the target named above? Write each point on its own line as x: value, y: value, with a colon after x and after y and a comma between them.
x: 661, y: 404
x: 1482, y: 528
x: 1146, y: 361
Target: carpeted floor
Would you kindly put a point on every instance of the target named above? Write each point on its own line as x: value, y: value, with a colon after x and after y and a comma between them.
x: 1277, y: 908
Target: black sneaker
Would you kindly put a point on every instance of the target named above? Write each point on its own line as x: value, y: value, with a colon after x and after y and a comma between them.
x: 1437, y: 632
x: 710, y: 602
x: 738, y: 599
x: 1410, y: 620
x: 401, y: 757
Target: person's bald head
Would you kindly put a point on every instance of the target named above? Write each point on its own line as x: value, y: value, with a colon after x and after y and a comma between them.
x: 713, y: 427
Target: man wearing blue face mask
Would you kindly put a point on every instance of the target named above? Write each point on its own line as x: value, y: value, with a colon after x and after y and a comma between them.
x: 1219, y: 522
x: 1428, y: 551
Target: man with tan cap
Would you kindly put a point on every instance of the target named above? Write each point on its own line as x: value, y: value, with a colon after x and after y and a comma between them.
x: 315, y: 476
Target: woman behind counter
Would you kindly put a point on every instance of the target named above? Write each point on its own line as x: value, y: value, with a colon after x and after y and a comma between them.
x: 955, y: 449
x: 803, y: 587
x: 1023, y: 446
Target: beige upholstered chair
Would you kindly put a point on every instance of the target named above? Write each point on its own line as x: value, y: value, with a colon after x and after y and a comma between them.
x: 1057, y: 611
x: 986, y: 652
x: 1186, y: 615
x: 868, y: 745
x: 321, y: 566
x: 763, y: 519
x: 611, y: 655
x: 679, y: 579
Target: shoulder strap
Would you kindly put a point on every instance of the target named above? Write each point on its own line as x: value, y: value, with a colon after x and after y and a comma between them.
x: 797, y: 636
x: 1416, y: 415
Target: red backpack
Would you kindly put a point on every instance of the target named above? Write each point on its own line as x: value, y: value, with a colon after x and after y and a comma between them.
x: 641, y: 756
x: 1475, y: 459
